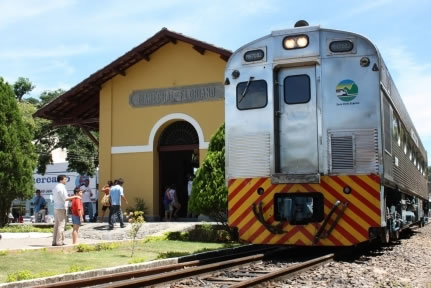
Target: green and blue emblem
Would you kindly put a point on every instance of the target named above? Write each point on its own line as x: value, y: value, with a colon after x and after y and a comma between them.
x: 347, y: 90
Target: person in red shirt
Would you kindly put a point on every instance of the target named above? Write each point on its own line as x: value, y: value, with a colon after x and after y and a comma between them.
x: 77, y: 214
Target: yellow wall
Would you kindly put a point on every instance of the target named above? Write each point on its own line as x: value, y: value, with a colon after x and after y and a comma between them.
x: 123, y: 125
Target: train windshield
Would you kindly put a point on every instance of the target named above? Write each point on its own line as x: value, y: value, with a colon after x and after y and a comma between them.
x: 251, y: 94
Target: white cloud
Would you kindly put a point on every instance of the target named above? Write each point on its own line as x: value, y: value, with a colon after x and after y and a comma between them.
x: 39, y: 88
x: 52, y: 52
x: 366, y: 6
x: 57, y: 65
x: 17, y: 10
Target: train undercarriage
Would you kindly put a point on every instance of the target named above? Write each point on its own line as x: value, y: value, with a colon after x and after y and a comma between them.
x: 403, y: 211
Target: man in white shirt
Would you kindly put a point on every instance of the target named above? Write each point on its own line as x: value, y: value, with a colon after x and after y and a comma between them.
x: 87, y: 196
x: 60, y: 207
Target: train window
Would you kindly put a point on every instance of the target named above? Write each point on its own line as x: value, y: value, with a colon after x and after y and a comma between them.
x: 396, y: 129
x: 297, y: 89
x: 298, y: 208
x: 418, y: 165
x: 251, y: 94
x: 410, y: 150
x: 404, y: 139
x: 387, y: 125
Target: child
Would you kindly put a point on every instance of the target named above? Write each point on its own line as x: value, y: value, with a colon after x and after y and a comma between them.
x: 77, y: 214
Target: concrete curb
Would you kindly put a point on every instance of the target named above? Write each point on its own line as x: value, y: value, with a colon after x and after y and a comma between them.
x: 66, y: 248
x: 89, y: 273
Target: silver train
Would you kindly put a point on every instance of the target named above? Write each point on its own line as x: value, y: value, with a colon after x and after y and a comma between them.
x: 320, y: 149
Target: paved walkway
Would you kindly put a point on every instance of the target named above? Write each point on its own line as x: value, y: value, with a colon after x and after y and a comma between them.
x: 89, y: 233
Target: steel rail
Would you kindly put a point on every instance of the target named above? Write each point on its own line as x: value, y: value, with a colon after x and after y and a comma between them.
x: 97, y: 280
x: 175, y: 275
x: 285, y: 271
x: 115, y: 277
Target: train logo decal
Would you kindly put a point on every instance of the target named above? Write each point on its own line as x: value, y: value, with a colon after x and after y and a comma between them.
x: 347, y: 90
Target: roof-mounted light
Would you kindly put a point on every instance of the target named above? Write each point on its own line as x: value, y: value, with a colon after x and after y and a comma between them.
x: 295, y: 42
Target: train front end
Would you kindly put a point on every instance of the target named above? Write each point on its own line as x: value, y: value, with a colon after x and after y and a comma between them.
x: 303, y: 139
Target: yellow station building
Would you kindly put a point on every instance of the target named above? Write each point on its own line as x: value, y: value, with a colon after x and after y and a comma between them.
x: 156, y: 108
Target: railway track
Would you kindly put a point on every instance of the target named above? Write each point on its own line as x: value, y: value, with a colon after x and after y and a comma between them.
x: 208, y: 272
x: 249, y: 277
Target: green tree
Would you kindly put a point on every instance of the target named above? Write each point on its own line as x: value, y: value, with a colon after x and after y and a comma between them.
x: 32, y: 100
x: 21, y: 87
x: 48, y: 96
x: 17, y: 156
x: 209, y: 192
x: 82, y: 153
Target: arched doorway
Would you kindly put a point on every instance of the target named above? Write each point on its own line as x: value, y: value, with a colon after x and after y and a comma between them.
x: 178, y: 155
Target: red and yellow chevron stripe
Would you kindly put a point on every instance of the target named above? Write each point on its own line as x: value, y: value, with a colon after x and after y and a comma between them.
x: 362, y: 212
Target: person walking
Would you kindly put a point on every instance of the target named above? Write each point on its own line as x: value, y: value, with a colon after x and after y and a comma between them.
x: 174, y: 205
x: 106, y: 200
x: 116, y: 193
x: 77, y: 214
x: 60, y: 207
x: 166, y: 203
x: 39, y: 207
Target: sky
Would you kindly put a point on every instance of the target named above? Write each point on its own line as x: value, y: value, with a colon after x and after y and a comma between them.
x: 59, y: 43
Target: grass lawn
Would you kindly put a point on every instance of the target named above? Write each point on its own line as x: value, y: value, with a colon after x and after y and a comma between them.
x: 42, y: 263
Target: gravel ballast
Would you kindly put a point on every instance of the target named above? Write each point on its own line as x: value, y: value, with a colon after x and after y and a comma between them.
x: 405, y: 263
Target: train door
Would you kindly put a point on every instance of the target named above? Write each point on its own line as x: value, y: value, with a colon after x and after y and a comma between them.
x: 298, y: 150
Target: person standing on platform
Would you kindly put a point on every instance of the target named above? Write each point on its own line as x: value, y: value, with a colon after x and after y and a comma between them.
x: 106, y: 200
x: 116, y: 193
x: 87, y: 195
x: 60, y: 207
x: 77, y: 214
x: 189, y: 193
x: 39, y: 207
x: 94, y: 202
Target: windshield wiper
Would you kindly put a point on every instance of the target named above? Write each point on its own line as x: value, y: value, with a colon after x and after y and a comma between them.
x: 245, y: 89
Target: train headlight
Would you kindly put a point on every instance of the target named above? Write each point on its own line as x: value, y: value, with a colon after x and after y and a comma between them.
x: 302, y: 41
x: 289, y: 43
x: 295, y: 42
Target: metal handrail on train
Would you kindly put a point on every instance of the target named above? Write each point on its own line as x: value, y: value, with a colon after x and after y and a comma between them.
x: 278, y: 229
x: 321, y: 234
